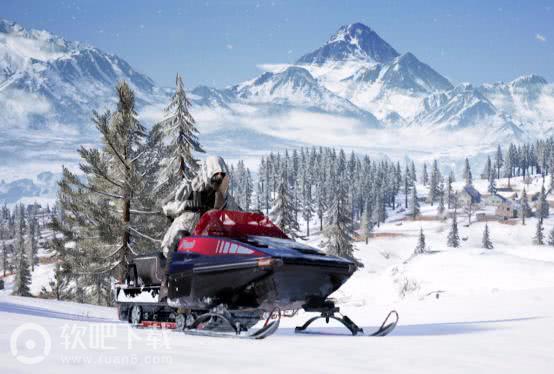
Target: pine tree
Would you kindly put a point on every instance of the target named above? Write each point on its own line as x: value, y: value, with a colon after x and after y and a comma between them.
x: 425, y: 177
x: 420, y: 248
x: 486, y: 242
x: 414, y: 204
x: 492, y: 183
x: 180, y: 131
x: 23, y: 274
x: 543, y: 209
x: 337, y: 233
x: 283, y: 209
x: 453, y: 236
x: 467, y: 173
x: 434, y: 183
x: 413, y: 175
x: 107, y: 206
x: 22, y: 280
x: 539, y: 234
x: 525, y: 210
x: 499, y: 161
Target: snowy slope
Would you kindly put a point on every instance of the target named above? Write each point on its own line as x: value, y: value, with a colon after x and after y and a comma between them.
x: 462, y: 310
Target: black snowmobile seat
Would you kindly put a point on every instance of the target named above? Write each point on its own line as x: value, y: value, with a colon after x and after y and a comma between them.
x: 150, y: 268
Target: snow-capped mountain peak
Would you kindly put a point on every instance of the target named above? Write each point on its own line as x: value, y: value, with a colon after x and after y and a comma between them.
x: 529, y: 80
x: 351, y: 42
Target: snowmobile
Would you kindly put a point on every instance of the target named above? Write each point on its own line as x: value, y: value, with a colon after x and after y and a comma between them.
x: 234, y: 270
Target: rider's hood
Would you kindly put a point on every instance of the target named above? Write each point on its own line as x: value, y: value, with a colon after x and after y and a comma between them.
x: 211, y: 166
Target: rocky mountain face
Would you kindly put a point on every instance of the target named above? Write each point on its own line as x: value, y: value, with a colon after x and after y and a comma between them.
x: 47, y: 81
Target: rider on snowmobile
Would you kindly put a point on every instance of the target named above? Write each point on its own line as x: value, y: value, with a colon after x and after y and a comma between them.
x: 207, y: 191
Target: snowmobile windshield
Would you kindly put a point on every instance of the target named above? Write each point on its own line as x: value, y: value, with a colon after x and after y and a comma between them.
x: 237, y: 225
x: 279, y: 243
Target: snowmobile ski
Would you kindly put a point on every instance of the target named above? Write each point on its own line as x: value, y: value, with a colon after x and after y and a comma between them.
x: 202, y: 326
x: 330, y: 313
x: 262, y: 333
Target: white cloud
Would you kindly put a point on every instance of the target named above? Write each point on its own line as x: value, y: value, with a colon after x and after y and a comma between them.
x: 540, y: 37
x: 229, y: 46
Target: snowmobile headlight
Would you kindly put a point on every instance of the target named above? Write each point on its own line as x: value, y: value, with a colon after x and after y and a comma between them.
x: 269, y: 262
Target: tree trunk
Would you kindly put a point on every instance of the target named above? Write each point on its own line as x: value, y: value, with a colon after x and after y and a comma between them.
x: 126, y: 238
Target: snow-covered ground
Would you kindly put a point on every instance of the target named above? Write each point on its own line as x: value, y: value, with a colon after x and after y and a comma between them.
x: 462, y: 310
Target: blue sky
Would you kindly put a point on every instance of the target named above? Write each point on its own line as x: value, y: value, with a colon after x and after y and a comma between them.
x: 219, y: 43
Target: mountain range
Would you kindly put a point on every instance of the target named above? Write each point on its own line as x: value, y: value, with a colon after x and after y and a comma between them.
x: 355, y: 91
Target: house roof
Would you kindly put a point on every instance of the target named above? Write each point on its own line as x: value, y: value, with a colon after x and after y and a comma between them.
x: 475, y: 195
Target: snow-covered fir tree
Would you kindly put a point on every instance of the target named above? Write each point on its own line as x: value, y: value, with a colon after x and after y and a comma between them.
x: 498, y: 161
x: 525, y: 209
x: 337, y: 234
x: 282, y: 213
x: 468, y: 177
x: 106, y: 207
x: 486, y: 241
x: 22, y: 280
x: 492, y: 183
x: 421, y: 247
x: 543, y: 209
x: 181, y: 136
x: 453, y: 239
x: 425, y: 175
x: 538, y: 239
x: 434, y: 182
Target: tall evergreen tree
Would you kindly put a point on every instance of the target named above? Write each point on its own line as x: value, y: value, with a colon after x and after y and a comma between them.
x: 498, y: 161
x: 434, y: 182
x: 543, y: 209
x: 492, y: 183
x: 538, y: 239
x: 525, y: 209
x: 337, y: 234
x: 179, y: 131
x: 486, y: 241
x: 467, y: 173
x: 453, y: 236
x: 22, y: 280
x: 283, y: 209
x: 420, y: 248
x: 106, y: 206
x: 425, y: 175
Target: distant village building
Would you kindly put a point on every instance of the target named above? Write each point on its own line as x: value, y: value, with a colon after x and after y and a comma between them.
x: 507, y: 209
x: 469, y: 195
x: 481, y: 217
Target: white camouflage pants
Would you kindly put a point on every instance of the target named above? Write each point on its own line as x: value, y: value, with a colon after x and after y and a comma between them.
x: 186, y: 221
